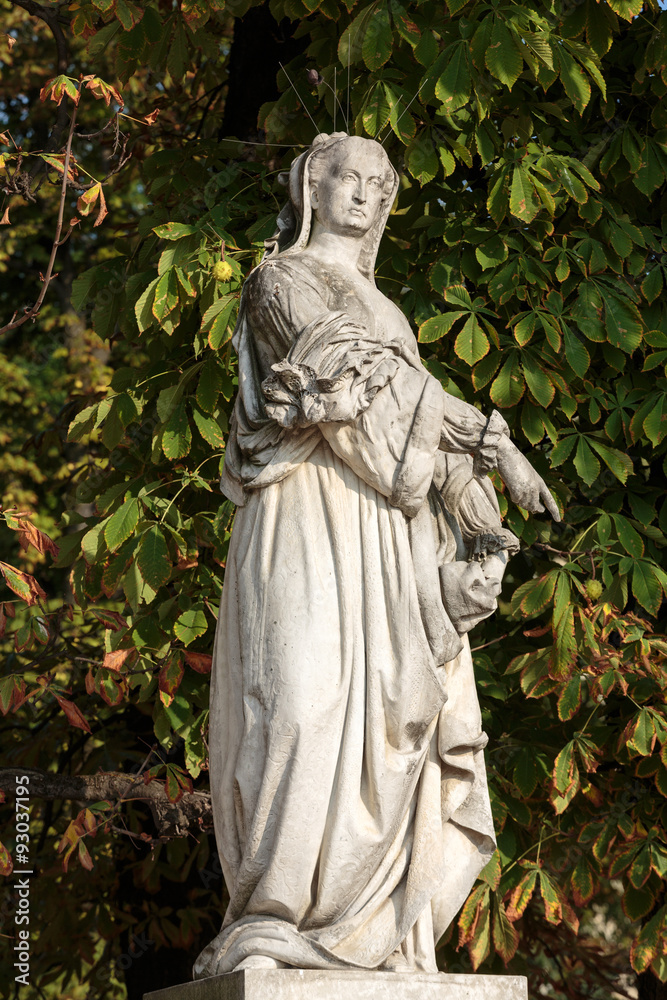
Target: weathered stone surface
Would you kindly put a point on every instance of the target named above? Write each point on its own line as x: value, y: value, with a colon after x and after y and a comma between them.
x: 346, y: 757
x: 298, y: 984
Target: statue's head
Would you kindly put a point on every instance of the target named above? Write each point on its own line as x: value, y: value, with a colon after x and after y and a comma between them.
x: 349, y: 182
x: 347, y: 185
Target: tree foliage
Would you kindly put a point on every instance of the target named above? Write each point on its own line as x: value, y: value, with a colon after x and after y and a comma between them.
x: 527, y: 247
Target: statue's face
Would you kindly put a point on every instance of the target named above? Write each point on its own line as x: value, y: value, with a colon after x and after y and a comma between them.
x: 350, y: 187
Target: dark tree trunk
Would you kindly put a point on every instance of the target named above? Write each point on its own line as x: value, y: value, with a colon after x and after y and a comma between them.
x: 260, y: 45
x: 650, y: 988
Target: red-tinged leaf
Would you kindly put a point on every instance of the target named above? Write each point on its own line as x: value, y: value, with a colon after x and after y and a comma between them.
x: 152, y: 117
x: 505, y: 934
x: 10, y: 610
x: 173, y: 787
x: 58, y: 87
x: 90, y: 683
x: 6, y: 693
x: 479, y: 945
x: 87, y: 200
x: 521, y: 895
x: 638, y: 903
x: 3, y: 622
x: 570, y: 918
x: 103, y: 91
x: 5, y: 220
x: 583, y: 882
x: 30, y: 535
x: 111, y: 691
x: 17, y: 581
x: 565, y: 768
x: 58, y: 163
x: 73, y: 714
x: 646, y: 945
x: 201, y: 662
x: 112, y: 619
x: 470, y: 912
x: 552, y: 906
x: 103, y: 211
x: 84, y: 856
x: 117, y: 659
x: 171, y: 676
x: 492, y: 872
x: 642, y: 735
x: 6, y: 862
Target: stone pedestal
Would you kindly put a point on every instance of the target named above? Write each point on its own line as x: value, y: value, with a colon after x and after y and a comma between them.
x: 300, y: 984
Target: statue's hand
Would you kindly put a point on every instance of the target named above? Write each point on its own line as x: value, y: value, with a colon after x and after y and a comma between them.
x: 525, y: 486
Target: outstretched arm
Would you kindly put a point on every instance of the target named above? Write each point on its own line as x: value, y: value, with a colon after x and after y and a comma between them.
x: 525, y: 486
x: 466, y: 430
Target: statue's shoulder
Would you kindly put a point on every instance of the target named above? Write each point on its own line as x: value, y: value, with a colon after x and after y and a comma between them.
x: 271, y: 279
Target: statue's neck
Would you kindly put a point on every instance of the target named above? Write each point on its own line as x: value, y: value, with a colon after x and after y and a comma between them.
x: 334, y: 248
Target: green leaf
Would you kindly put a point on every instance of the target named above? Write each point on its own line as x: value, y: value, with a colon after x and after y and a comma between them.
x: 436, y: 327
x: 505, y: 934
x: 121, y: 525
x: 376, y: 113
x: 454, y: 86
x: 177, y: 436
x: 553, y: 910
x: 191, y: 624
x: 221, y: 331
x: 402, y: 122
x: 577, y: 356
x: 623, y: 322
x: 628, y: 537
x: 421, y: 159
x: 569, y: 701
x: 498, y: 202
x: 638, y: 903
x: 209, y: 428
x: 585, y: 462
x: 209, y: 386
x: 538, y: 382
x: 583, y: 882
x: 573, y: 78
x: 619, y: 463
x: 153, y: 558
x: 563, y: 450
x: 174, y: 230
x: 652, y: 284
x: 377, y: 44
x: 508, y: 388
x: 646, y: 586
x: 525, y: 774
x: 166, y: 296
x: 503, y: 57
x: 472, y: 344
x: 524, y: 203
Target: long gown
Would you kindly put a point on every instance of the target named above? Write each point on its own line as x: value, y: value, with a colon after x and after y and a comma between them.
x: 346, y: 750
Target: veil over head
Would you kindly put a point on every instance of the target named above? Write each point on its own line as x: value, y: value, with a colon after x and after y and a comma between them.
x: 295, y: 220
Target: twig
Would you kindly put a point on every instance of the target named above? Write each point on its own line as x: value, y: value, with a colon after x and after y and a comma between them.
x: 50, y: 18
x: 490, y: 643
x: 31, y: 312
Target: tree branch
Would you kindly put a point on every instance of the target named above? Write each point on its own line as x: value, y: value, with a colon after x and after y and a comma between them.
x: 32, y: 311
x: 50, y: 18
x: 191, y: 814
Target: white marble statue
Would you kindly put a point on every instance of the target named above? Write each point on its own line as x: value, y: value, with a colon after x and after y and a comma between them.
x: 346, y: 751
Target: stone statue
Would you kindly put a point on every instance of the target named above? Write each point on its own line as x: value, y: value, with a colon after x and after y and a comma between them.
x: 346, y: 751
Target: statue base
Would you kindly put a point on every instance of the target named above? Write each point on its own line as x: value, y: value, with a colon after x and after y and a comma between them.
x: 306, y: 984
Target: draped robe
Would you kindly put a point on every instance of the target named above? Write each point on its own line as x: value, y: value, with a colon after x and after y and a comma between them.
x: 346, y: 749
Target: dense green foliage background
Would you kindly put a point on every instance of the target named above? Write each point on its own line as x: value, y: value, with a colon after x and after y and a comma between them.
x: 527, y: 244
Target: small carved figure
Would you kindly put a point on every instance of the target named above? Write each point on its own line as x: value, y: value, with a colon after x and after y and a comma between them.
x: 346, y: 750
